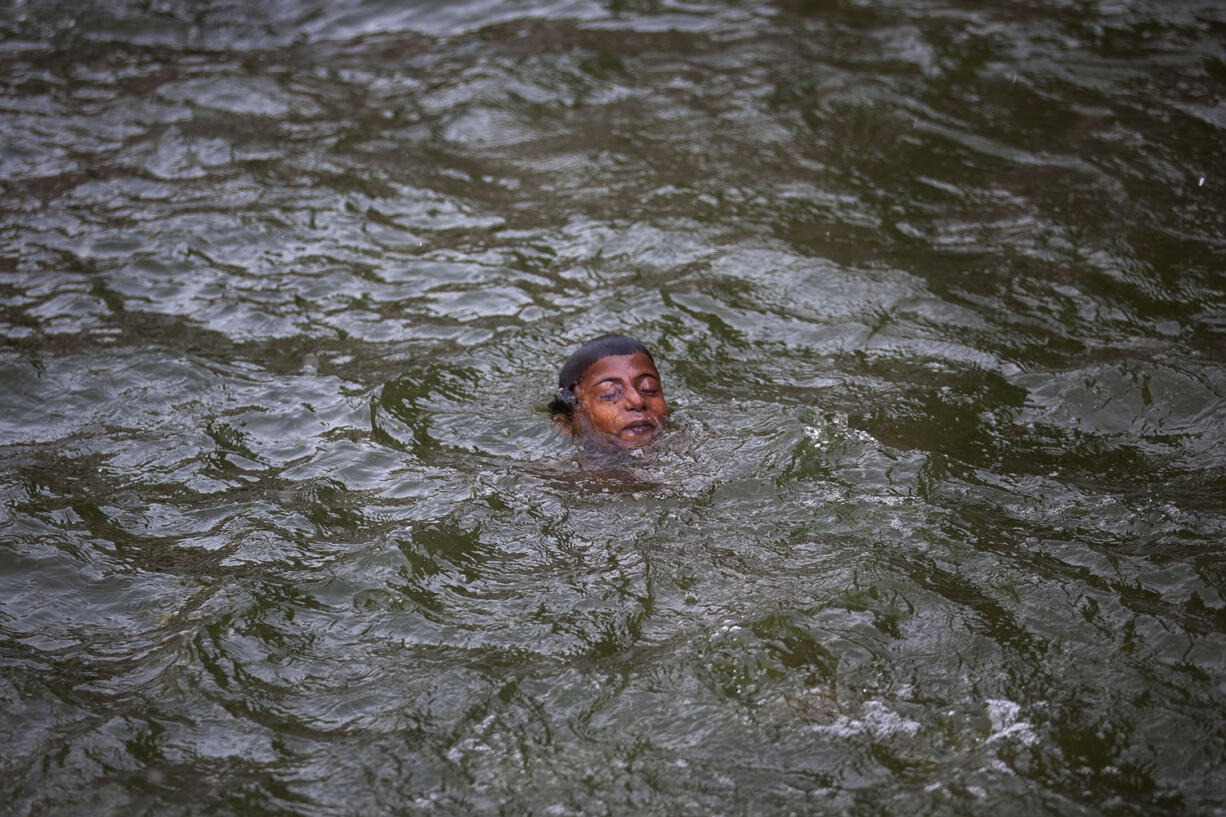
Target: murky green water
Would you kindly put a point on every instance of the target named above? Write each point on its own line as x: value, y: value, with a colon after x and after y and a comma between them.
x: 937, y: 291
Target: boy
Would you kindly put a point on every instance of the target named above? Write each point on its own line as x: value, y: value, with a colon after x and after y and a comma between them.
x: 609, y: 393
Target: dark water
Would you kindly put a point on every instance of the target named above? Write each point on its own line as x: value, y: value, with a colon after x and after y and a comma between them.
x: 938, y: 294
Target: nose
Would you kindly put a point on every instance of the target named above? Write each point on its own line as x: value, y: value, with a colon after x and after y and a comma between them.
x: 634, y: 400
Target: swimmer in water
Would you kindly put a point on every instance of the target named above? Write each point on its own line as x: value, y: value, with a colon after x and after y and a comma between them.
x: 609, y: 394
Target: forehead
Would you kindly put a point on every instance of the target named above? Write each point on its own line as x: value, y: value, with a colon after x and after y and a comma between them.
x: 622, y: 367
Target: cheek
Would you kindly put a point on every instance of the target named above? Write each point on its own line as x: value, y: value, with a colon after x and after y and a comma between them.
x: 602, y: 416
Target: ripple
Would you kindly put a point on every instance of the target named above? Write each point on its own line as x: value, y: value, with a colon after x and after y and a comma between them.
x: 935, y: 295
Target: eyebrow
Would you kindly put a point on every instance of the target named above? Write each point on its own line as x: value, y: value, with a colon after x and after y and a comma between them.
x: 634, y: 376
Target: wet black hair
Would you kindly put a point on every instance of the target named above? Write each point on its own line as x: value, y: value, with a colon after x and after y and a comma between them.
x: 564, y: 401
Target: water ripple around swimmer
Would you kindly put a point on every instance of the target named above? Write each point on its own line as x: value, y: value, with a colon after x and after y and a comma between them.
x: 936, y: 297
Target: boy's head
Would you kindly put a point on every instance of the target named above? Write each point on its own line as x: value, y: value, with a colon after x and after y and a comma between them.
x: 609, y: 391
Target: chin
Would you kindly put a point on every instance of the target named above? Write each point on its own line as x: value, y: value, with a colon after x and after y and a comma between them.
x: 610, y: 441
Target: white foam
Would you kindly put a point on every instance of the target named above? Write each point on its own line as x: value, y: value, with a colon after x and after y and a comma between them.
x: 1005, y: 724
x: 875, y: 720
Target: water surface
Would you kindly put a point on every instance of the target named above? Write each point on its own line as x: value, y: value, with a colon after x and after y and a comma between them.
x: 936, y: 292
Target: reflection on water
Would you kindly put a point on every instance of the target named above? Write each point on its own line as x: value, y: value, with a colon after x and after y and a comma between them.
x: 936, y: 294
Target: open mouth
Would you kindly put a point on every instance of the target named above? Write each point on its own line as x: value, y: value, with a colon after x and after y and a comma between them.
x: 640, y: 429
